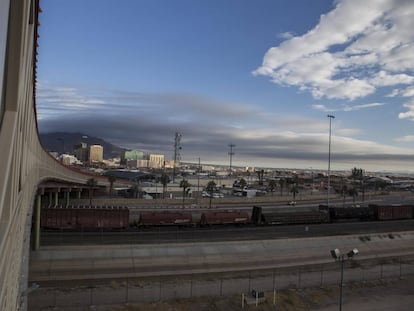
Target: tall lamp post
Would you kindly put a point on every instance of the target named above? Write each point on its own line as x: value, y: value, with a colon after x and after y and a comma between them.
x: 329, y: 157
x: 336, y: 254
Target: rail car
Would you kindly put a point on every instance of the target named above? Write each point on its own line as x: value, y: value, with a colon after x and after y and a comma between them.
x: 224, y: 218
x: 165, y: 218
x: 288, y: 216
x: 84, y: 217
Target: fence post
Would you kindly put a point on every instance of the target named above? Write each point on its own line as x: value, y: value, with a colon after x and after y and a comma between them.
x: 274, y: 279
x: 242, y: 300
x: 400, y: 269
x: 160, y: 297
x: 126, y: 292
x: 221, y: 285
x: 274, y: 296
x: 321, y: 286
x: 191, y: 286
x: 299, y: 277
x: 249, y: 281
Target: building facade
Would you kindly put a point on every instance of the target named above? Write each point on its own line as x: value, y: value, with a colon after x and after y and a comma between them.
x: 95, y: 153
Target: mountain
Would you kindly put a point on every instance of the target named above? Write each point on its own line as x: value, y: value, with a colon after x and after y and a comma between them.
x: 64, y: 141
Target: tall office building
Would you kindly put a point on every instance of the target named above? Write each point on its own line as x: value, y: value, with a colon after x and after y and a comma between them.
x: 81, y: 152
x: 131, y: 155
x: 156, y: 160
x: 95, y: 153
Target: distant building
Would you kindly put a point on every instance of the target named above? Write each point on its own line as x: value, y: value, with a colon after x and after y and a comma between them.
x: 95, y: 153
x: 68, y: 159
x: 138, y: 164
x: 81, y: 152
x: 156, y: 160
x: 170, y: 164
x: 131, y: 155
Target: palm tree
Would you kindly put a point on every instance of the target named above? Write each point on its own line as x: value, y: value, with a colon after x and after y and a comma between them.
x: 186, y: 187
x: 111, y: 179
x: 91, y: 183
x: 211, y: 186
x: 272, y: 185
x: 242, y: 183
x: 164, y: 179
x: 354, y: 193
x: 358, y: 174
x: 281, y: 184
x: 294, y: 191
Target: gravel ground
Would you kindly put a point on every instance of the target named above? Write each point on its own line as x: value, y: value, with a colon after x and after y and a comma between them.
x: 361, y: 296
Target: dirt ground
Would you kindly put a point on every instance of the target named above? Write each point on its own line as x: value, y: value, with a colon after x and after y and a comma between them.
x: 361, y: 296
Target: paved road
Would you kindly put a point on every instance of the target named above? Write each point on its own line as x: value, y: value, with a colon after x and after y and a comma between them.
x: 221, y: 233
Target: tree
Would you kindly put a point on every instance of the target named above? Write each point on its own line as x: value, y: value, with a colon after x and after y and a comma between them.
x: 111, y: 178
x: 242, y: 183
x: 91, y: 183
x: 186, y: 187
x: 354, y: 193
x: 260, y: 175
x: 211, y: 186
x: 294, y: 190
x: 164, y: 179
x: 357, y: 174
x: 272, y: 185
x: 344, y: 192
x: 281, y: 184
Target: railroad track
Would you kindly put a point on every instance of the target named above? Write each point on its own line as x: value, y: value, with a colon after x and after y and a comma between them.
x: 220, y: 233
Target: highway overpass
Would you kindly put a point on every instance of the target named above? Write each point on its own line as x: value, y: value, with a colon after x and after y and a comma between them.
x: 24, y: 163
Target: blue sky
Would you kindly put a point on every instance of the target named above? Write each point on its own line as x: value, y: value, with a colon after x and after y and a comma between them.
x: 260, y: 74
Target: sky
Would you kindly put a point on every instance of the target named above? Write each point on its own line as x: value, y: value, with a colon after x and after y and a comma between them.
x: 262, y: 75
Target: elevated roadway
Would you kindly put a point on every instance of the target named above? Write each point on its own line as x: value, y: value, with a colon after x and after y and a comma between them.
x: 24, y: 163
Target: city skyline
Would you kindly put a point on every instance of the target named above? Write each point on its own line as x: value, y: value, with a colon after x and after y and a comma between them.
x: 263, y: 76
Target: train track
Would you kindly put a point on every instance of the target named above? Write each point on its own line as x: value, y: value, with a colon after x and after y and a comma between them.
x: 221, y: 233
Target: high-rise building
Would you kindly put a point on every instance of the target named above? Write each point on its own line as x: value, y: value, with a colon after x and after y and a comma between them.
x: 81, y: 152
x: 131, y: 155
x: 95, y: 153
x: 156, y: 160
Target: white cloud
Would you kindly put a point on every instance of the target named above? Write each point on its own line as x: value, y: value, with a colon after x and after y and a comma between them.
x: 353, y: 50
x: 407, y: 138
x: 286, y: 35
x: 408, y: 114
x: 347, y: 108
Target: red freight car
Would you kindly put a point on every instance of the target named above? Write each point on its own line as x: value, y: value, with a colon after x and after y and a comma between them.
x: 224, y: 217
x: 79, y: 217
x: 390, y: 212
x: 165, y: 218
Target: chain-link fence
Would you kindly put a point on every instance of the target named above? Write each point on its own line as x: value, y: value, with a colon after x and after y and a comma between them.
x: 129, y: 290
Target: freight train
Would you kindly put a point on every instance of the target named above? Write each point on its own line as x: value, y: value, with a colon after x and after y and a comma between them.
x: 85, y: 217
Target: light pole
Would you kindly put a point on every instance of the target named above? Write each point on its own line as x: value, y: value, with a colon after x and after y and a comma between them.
x: 231, y: 154
x: 336, y: 254
x: 329, y: 157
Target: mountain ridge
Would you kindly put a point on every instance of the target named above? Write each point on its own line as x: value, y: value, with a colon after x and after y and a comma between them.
x: 63, y: 142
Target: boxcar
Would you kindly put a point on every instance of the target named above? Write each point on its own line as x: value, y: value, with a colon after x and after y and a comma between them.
x: 391, y: 212
x: 285, y: 216
x: 224, y: 217
x: 84, y: 217
x: 165, y: 218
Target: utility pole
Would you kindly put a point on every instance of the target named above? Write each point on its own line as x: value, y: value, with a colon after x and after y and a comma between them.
x: 177, y: 148
x: 231, y: 154
x: 198, y: 179
x: 329, y: 157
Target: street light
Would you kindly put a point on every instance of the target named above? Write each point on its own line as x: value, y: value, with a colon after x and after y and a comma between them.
x: 336, y: 254
x: 329, y: 157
